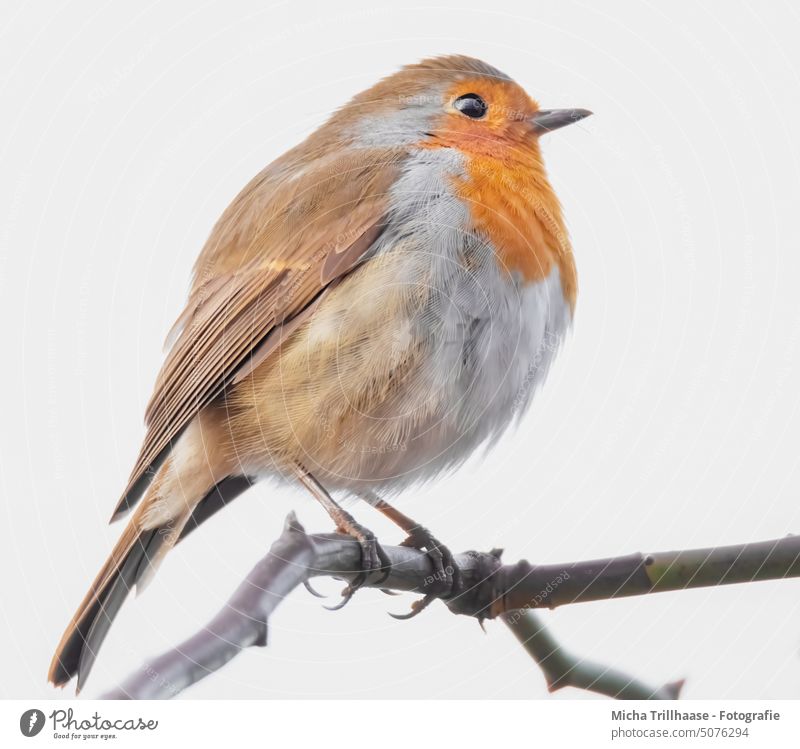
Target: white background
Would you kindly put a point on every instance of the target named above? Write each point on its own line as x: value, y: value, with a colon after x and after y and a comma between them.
x: 670, y: 419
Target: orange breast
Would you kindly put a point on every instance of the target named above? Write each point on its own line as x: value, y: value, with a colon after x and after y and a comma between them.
x: 515, y: 207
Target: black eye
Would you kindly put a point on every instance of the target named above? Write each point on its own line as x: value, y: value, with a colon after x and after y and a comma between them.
x: 471, y: 105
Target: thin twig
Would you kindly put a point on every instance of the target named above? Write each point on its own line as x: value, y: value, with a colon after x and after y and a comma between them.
x: 562, y: 669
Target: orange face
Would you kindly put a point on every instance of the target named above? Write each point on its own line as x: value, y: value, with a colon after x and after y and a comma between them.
x: 505, y: 127
x: 510, y: 199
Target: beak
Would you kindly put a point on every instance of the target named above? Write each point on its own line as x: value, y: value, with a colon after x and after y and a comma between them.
x: 546, y: 120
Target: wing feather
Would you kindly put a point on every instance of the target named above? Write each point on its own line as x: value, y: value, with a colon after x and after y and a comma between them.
x: 273, y: 253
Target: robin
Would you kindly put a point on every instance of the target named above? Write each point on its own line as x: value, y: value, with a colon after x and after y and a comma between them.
x: 372, y: 307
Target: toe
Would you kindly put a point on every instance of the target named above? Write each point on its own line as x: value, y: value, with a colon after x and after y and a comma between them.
x: 385, y: 563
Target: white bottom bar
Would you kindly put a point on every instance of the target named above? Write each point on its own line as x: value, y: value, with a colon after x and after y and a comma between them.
x: 402, y: 724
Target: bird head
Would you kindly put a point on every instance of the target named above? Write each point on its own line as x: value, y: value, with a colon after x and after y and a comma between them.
x: 452, y: 102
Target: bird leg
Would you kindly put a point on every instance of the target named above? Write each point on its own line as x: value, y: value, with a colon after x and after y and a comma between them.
x: 373, y: 557
x: 418, y: 537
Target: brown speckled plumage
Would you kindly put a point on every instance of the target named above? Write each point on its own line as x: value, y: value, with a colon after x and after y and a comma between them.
x: 372, y: 307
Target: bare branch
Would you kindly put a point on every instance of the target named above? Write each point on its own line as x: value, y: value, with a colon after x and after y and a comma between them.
x: 488, y: 590
x: 562, y: 669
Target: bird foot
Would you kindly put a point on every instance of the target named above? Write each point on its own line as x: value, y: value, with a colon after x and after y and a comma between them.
x: 373, y: 557
x: 445, y: 570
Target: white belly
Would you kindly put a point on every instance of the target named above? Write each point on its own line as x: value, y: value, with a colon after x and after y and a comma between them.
x: 423, y: 354
x: 489, y: 347
x: 490, y: 338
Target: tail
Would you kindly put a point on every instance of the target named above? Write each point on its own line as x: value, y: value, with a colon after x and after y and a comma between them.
x: 183, y: 490
x: 132, y: 562
x: 152, y: 531
x: 84, y: 635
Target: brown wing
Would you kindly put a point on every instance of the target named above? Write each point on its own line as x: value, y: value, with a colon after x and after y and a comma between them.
x: 275, y: 250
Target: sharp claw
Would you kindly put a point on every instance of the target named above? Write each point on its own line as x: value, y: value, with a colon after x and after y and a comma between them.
x: 402, y: 617
x: 416, y: 608
x: 383, y: 578
x: 357, y: 581
x: 315, y: 593
x: 347, y: 594
x: 389, y: 592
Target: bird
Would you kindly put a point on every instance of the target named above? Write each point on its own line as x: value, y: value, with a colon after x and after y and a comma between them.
x: 374, y: 306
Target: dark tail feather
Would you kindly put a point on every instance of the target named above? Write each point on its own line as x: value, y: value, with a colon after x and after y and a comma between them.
x: 128, y: 564
x: 223, y: 493
x: 113, y: 600
x: 81, y: 641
